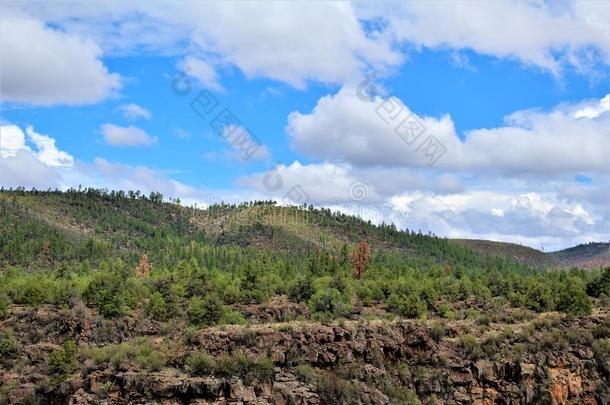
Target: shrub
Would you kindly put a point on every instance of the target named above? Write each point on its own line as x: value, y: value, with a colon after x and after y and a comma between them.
x: 601, y: 351
x: 105, y: 290
x: 329, y: 301
x: 302, y: 289
x: 470, y: 345
x: 200, y: 363
x: 336, y: 390
x: 408, y: 305
x: 483, y: 319
x: 305, y: 373
x: 233, y: 318
x: 4, y: 305
x: 8, y: 344
x: 574, y: 301
x: 31, y: 291
x: 437, y: 331
x: 602, y: 330
x: 206, y: 311
x: 140, y: 350
x: 157, y: 307
x: 600, y: 285
x: 239, y: 364
x: 63, y: 362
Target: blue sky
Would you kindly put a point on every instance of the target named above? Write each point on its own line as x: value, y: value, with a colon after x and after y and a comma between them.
x: 522, y: 117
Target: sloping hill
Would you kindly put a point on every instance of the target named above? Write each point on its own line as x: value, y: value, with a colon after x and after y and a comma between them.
x: 94, y: 223
x: 590, y: 255
x: 521, y: 254
x: 586, y: 256
x: 114, y: 223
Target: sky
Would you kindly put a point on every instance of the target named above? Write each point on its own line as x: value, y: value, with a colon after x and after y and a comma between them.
x: 487, y: 120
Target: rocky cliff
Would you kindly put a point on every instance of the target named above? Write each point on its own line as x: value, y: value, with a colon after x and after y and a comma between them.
x: 547, y: 359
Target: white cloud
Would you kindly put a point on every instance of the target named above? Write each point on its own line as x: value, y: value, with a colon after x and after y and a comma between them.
x: 22, y: 166
x: 126, y: 136
x: 43, y: 166
x: 533, y: 218
x: 46, y: 66
x: 13, y: 140
x: 544, y: 34
x: 201, y: 70
x: 133, y: 111
x: 47, y: 151
x: 340, y: 183
x: 266, y: 39
x: 275, y: 40
x: 555, y: 213
x: 24, y: 169
x: 592, y: 109
x: 269, y: 41
x: 106, y: 174
x: 346, y: 128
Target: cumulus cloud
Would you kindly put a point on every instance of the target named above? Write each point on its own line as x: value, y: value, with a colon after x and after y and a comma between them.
x: 47, y: 151
x: 46, y: 66
x: 549, y: 35
x: 25, y: 166
x: 269, y: 42
x: 341, y: 183
x: 29, y: 159
x: 385, y: 132
x: 126, y: 136
x: 13, y: 140
x: 201, y: 70
x: 265, y: 39
x: 530, y: 218
x: 133, y: 111
x: 262, y: 39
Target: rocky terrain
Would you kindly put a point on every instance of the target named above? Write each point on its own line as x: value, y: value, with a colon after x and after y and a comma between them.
x: 514, y: 358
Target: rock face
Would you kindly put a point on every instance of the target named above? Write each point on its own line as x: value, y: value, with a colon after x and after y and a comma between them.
x: 376, y: 362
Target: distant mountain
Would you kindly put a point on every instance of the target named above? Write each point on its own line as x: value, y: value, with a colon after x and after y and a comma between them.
x: 590, y: 255
x: 518, y: 253
x: 594, y: 254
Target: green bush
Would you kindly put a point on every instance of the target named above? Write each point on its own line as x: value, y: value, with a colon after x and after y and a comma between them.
x: 330, y: 302
x: 302, y: 289
x: 484, y: 319
x: 31, y: 290
x: 408, y: 305
x: 437, y: 330
x: 63, y: 362
x: 305, y: 373
x: 106, y: 291
x: 206, y: 311
x: 141, y: 351
x: 236, y: 364
x: 574, y: 301
x: 233, y: 318
x: 156, y: 307
x: 8, y: 344
x: 470, y: 345
x: 4, y: 306
x: 200, y: 364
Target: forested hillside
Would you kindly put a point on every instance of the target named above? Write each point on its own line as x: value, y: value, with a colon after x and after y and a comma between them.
x: 176, y: 271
